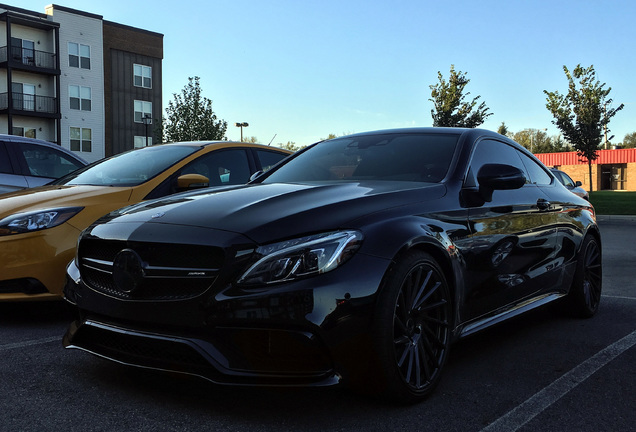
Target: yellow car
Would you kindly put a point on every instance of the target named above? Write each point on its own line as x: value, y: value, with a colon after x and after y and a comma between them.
x: 39, y: 227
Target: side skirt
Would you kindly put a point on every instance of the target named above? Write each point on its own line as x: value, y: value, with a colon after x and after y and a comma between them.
x: 502, y: 315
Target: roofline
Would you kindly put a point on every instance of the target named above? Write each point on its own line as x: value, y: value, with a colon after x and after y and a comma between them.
x: 75, y: 11
x: 137, y: 29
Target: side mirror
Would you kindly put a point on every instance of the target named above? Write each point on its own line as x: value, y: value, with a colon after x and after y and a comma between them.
x: 492, y: 177
x: 192, y: 181
x: 256, y: 175
x: 578, y: 183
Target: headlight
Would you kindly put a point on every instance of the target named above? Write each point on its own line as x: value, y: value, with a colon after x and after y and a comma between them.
x: 35, y: 221
x: 305, y: 256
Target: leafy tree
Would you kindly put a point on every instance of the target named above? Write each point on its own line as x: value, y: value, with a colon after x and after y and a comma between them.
x: 538, y: 141
x: 582, y: 114
x: 503, y: 129
x: 451, y: 108
x: 291, y: 146
x: 251, y: 140
x: 190, y: 117
x: 630, y: 140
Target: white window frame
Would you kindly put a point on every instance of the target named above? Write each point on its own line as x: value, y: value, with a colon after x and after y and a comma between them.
x: 144, y: 73
x: 83, y: 96
x: 83, y: 54
x: 84, y: 145
x: 142, y: 108
x: 140, y: 141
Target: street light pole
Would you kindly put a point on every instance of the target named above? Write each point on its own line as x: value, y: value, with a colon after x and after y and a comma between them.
x: 147, y: 120
x: 532, y: 138
x: 242, y: 125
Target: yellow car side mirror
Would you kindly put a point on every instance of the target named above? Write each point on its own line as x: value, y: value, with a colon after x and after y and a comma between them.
x: 192, y: 181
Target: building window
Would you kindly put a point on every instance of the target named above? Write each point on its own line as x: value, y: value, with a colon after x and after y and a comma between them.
x: 23, y: 51
x: 23, y: 96
x: 142, y: 76
x: 79, y: 55
x: 23, y: 132
x: 81, y: 139
x: 80, y: 97
x: 140, y: 141
x: 142, y: 109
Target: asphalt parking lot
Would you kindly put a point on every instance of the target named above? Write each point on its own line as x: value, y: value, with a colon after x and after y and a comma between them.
x: 540, y: 372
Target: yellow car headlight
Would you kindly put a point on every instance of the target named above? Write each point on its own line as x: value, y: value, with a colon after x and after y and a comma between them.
x: 21, y: 223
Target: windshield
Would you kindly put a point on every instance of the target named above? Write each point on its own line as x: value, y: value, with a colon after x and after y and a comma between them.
x: 389, y: 157
x: 129, y: 169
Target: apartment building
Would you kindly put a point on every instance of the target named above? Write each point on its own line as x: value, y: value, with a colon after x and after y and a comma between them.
x: 72, y: 78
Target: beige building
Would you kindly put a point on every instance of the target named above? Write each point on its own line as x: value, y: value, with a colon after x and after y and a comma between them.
x: 72, y: 78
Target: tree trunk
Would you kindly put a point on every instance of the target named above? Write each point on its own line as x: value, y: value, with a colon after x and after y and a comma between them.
x: 589, y: 166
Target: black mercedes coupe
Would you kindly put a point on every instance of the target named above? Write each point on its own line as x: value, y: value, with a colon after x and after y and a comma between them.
x: 357, y: 260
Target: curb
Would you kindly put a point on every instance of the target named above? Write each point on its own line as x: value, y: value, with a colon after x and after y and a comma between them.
x: 616, y: 218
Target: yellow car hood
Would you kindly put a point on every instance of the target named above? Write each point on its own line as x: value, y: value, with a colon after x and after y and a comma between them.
x: 96, y: 200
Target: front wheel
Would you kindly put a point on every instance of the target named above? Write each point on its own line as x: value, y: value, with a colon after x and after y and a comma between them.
x: 413, y: 328
x: 585, y: 294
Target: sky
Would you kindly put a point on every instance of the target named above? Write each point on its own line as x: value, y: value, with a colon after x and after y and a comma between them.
x: 297, y: 71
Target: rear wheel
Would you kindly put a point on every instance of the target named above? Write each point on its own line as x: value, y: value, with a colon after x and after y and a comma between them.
x: 413, y: 329
x: 585, y: 294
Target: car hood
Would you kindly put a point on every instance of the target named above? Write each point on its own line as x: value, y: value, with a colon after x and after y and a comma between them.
x: 265, y: 212
x: 59, y: 196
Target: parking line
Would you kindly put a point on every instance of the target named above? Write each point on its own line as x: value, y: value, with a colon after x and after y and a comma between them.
x: 535, y: 405
x: 29, y: 343
x: 619, y: 297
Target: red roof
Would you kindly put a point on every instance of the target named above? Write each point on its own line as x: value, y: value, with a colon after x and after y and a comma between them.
x: 619, y: 156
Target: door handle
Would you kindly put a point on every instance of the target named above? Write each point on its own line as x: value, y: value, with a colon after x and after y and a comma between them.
x: 543, y: 204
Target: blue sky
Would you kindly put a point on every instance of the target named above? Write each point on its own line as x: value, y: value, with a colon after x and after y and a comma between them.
x: 300, y: 70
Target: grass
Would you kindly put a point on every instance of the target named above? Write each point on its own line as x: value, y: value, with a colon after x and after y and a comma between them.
x: 614, y: 202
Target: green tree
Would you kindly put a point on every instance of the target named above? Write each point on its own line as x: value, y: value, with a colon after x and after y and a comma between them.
x: 190, y: 116
x: 451, y: 108
x: 582, y: 114
x: 291, y: 146
x: 538, y: 141
x: 330, y: 136
x: 503, y: 129
x: 630, y: 140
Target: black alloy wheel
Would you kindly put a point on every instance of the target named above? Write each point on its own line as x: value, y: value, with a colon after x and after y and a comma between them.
x: 585, y: 294
x: 416, y: 332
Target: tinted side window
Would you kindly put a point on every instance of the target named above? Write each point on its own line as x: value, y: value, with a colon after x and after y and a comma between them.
x: 222, y: 167
x: 5, y: 164
x: 565, y: 179
x: 269, y: 158
x: 492, y: 152
x: 47, y: 162
x: 538, y: 175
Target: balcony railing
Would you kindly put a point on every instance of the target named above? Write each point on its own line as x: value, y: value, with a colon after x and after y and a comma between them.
x: 29, y: 57
x: 29, y: 102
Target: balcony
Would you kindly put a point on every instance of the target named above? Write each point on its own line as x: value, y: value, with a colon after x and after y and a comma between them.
x: 28, y: 59
x: 28, y: 104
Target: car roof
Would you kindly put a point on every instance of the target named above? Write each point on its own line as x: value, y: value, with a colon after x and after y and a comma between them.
x: 36, y: 141
x: 224, y: 144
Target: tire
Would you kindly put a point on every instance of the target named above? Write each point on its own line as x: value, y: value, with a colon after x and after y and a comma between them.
x: 585, y: 293
x: 413, y: 329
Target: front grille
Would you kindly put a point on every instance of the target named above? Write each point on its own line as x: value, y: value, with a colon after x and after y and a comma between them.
x: 171, y: 271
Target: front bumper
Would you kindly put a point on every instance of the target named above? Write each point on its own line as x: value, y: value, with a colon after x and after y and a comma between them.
x: 310, y: 332
x: 32, y: 264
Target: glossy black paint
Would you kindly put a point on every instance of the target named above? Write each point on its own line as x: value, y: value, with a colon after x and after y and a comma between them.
x: 502, y: 251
